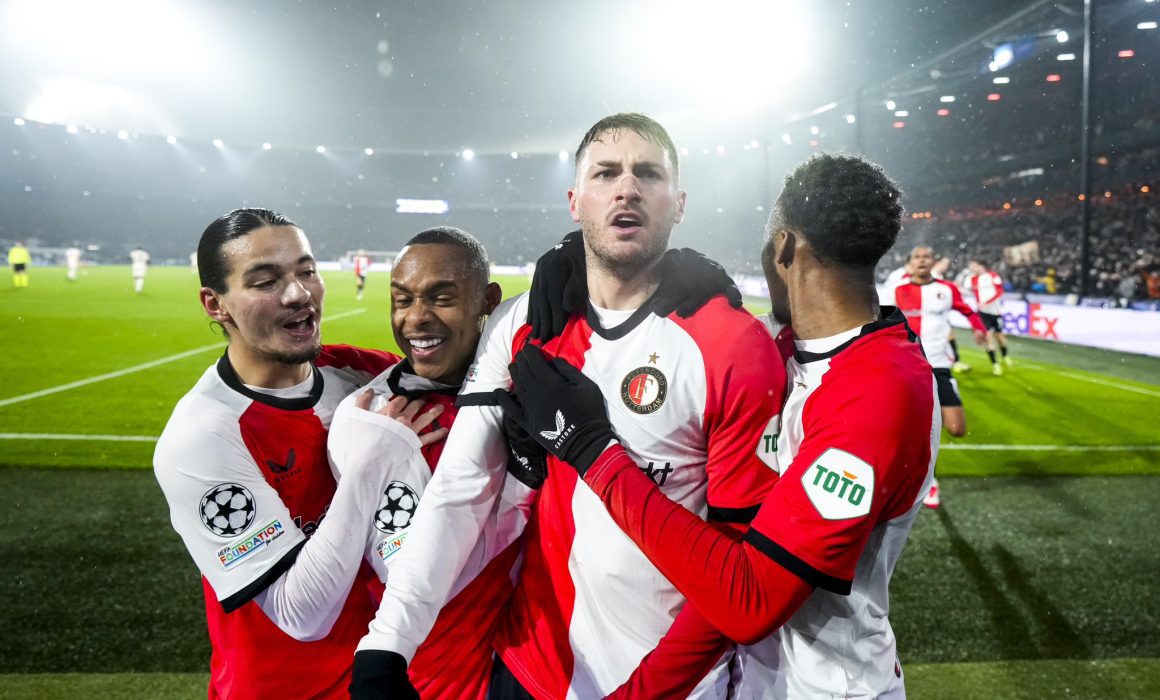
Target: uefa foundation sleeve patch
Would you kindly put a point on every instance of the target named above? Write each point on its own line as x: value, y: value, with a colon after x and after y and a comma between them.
x: 840, y: 485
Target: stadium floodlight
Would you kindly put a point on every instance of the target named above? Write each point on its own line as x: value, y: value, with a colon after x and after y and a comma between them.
x: 123, y: 135
x: 850, y: 119
x: 902, y: 113
x: 1001, y: 80
x: 320, y: 149
x: 1146, y: 25
x: 754, y: 143
x: 18, y: 121
x: 720, y: 149
x: 563, y: 155
x: 1061, y: 36
x: 1065, y: 57
x: 890, y: 104
x: 994, y: 97
x: 267, y: 146
x: 947, y: 98
x: 1126, y: 53
x: 1054, y: 78
x: 369, y: 151
x: 421, y: 206
x: 170, y: 140
x: 218, y: 143
x: 1002, y: 57
x: 786, y: 139
x: 515, y: 155
x: 468, y: 154
x: 71, y: 128
x: 815, y: 130
x: 944, y: 112
x: 899, y: 125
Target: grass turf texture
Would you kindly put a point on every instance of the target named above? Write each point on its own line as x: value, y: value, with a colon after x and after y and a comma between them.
x: 1028, y: 583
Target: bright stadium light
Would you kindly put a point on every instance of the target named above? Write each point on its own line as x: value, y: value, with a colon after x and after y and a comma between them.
x: 720, y: 149
x: 219, y: 143
x: 267, y: 146
x: 947, y: 98
x: 71, y: 128
x: 18, y: 121
x: 815, y: 130
x: 1146, y: 25
x: 1001, y: 80
x: 320, y: 149
x: 1065, y: 57
x: 369, y: 151
x: 170, y: 140
x: 902, y: 113
x: 563, y: 155
x: 421, y: 206
x: 890, y: 104
x: 1061, y: 36
x: 850, y: 119
x: 787, y: 139
x: 1002, y: 57
x: 468, y: 154
x: 123, y: 135
x: 515, y: 155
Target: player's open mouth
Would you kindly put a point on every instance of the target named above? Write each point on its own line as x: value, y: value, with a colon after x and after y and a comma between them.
x: 302, y: 328
x: 423, y: 348
x: 627, y: 222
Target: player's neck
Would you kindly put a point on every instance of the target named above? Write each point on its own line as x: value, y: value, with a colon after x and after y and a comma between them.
x: 610, y: 291
x: 828, y: 303
x: 265, y: 373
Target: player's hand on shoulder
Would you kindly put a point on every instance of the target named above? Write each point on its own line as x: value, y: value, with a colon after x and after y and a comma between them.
x: 688, y: 281
x: 409, y: 412
x: 559, y: 287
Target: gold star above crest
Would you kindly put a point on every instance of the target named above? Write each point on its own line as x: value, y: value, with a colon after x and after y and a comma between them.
x: 653, y: 358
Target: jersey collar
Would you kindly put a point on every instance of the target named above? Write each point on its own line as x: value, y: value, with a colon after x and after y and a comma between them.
x: 890, y: 317
x: 402, y: 381
x: 226, y: 371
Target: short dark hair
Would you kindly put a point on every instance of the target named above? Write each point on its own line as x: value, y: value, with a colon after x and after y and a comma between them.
x: 847, y: 208
x: 211, y: 262
x: 473, y: 250
x: 644, y: 125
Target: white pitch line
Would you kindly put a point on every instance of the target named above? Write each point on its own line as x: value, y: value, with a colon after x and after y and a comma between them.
x: 138, y: 368
x: 1053, y: 448
x: 1093, y: 380
x: 63, y: 436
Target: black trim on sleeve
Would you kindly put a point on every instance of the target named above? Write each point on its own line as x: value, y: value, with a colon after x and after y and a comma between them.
x: 480, y: 398
x: 742, y: 516
x: 263, y: 582
x: 795, y: 566
x: 226, y: 371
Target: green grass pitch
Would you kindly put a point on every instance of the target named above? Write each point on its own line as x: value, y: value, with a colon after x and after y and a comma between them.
x: 1037, y: 578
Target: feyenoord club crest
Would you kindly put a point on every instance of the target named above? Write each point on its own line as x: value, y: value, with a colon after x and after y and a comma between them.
x: 644, y: 389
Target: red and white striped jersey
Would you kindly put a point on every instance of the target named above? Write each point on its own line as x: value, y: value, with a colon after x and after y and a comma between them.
x: 455, y: 661
x: 859, y: 440
x: 988, y: 289
x: 928, y: 310
x: 247, y: 480
x: 362, y: 264
x: 689, y: 398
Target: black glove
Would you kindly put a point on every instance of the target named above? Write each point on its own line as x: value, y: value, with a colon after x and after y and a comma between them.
x: 527, y: 461
x: 688, y: 280
x: 561, y: 408
x: 380, y: 675
x: 559, y: 288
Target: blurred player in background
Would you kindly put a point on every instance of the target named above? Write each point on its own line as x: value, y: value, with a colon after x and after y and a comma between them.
x: 988, y: 289
x: 855, y: 453
x: 362, y: 264
x: 72, y: 262
x: 243, y: 465
x: 19, y: 260
x: 927, y: 303
x: 139, y: 264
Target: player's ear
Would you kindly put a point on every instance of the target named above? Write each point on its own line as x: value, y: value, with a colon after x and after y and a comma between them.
x: 492, y: 295
x: 212, y: 303
x: 785, y: 244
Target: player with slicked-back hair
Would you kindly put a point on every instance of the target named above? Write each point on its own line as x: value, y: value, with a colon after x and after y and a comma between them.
x: 243, y: 465
x: 639, y: 124
x: 805, y: 590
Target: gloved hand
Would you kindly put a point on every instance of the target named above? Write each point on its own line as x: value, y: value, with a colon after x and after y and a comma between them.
x: 559, y: 288
x: 688, y: 280
x: 380, y: 675
x: 527, y: 461
x: 561, y: 408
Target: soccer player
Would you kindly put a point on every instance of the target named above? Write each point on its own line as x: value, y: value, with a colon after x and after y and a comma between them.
x: 20, y: 261
x: 927, y: 303
x: 72, y: 262
x: 858, y: 440
x: 691, y: 397
x: 362, y: 264
x: 139, y: 263
x: 440, y: 294
x: 242, y: 462
x: 988, y: 289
